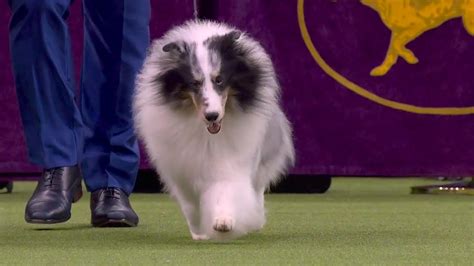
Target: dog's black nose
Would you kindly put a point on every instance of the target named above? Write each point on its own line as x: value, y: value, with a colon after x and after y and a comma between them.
x: 211, y: 117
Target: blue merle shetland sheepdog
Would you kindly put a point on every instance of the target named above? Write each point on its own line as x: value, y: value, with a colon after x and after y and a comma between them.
x: 207, y: 110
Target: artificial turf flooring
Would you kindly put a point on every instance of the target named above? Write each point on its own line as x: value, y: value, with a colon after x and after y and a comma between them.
x: 358, y: 222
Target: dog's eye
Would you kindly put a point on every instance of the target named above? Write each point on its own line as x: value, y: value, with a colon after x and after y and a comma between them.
x: 218, y: 80
x: 197, y: 83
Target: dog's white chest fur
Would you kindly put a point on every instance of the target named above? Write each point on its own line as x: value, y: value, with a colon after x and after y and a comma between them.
x: 187, y: 152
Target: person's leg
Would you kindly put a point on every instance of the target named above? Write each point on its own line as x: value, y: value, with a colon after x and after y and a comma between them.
x: 42, y: 67
x: 43, y: 71
x: 116, y: 39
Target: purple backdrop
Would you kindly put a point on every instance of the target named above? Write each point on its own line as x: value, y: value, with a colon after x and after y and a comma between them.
x: 337, y: 132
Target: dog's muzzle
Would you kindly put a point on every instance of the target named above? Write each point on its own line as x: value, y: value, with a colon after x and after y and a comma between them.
x: 213, y: 125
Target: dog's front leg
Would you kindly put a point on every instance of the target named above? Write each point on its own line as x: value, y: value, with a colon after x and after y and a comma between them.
x: 230, y: 209
x: 390, y: 58
x: 218, y: 206
x: 189, y: 205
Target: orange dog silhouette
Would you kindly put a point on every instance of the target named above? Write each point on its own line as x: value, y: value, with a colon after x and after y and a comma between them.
x: 408, y: 19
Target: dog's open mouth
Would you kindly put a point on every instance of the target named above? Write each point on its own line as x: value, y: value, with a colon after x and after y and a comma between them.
x: 214, y: 127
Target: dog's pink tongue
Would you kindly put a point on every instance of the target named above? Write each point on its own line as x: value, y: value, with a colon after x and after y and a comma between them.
x: 214, y: 128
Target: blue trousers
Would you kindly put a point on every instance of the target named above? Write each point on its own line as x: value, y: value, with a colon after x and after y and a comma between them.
x: 95, y: 131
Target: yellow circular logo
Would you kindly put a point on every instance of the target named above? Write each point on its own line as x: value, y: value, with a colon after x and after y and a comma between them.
x: 382, y: 69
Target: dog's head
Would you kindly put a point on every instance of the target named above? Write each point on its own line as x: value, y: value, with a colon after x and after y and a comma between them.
x: 208, y: 74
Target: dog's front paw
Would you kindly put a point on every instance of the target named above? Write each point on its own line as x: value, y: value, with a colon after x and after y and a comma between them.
x: 199, y: 237
x: 223, y: 224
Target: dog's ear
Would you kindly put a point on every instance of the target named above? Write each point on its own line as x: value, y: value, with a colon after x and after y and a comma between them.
x: 177, y: 47
x: 230, y: 38
x: 178, y: 50
x: 172, y: 47
x: 228, y: 41
x: 226, y: 44
x: 234, y: 35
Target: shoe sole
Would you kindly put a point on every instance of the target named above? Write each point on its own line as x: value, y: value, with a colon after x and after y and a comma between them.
x: 48, y: 221
x: 114, y: 223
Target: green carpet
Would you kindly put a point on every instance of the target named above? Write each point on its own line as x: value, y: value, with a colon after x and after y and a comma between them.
x: 358, y: 222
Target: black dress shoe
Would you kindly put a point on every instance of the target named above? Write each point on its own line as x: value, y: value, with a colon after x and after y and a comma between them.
x: 52, y: 198
x: 110, y: 208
